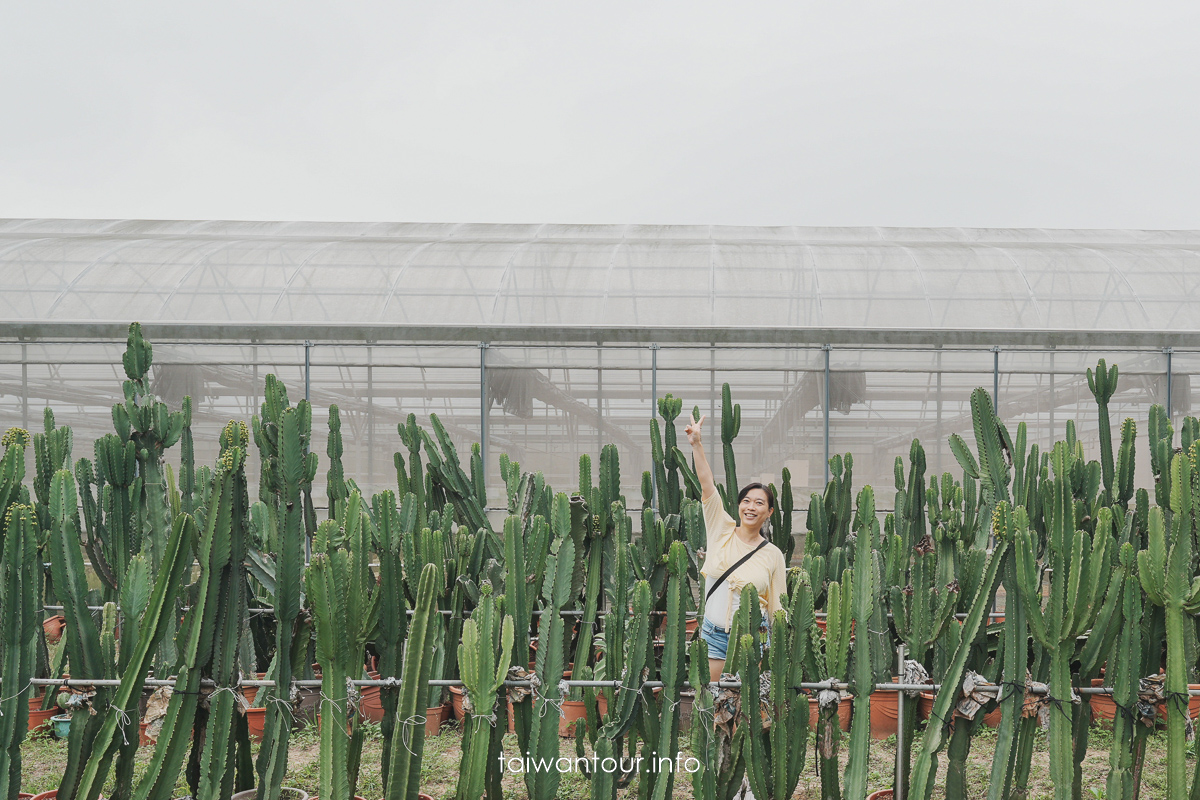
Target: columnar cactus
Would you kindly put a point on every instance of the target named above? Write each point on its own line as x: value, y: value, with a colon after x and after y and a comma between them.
x: 828, y: 523
x: 467, y: 494
x: 862, y: 674
x: 1081, y: 571
x: 1124, y: 661
x: 345, y: 606
x: 731, y: 425
x: 664, y: 728
x: 1164, y: 568
x: 115, y: 733
x: 407, y: 745
x: 921, y: 781
x: 666, y: 457
x: 208, y: 641
x: 283, y: 434
x: 19, y: 616
x: 393, y: 524
x: 776, y: 754
x: 542, y: 784
x: 153, y: 429
x: 483, y: 657
x: 82, y: 637
x: 1103, y: 384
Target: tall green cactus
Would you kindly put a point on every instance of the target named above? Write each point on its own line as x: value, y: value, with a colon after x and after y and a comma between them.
x: 1103, y: 384
x: 117, y: 732
x: 862, y: 674
x: 208, y: 642
x: 921, y: 782
x: 345, y: 607
x: 542, y: 784
x: 672, y: 672
x: 1123, y: 663
x: 19, y: 616
x: 336, y: 490
x: 83, y: 645
x: 393, y: 524
x: 446, y: 470
x: 829, y: 516
x: 153, y: 429
x: 776, y: 755
x: 404, y: 776
x: 483, y: 657
x: 283, y: 434
x: 1164, y: 568
x: 1081, y: 569
x: 731, y: 425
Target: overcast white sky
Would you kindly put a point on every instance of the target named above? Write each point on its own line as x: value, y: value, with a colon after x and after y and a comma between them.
x: 1042, y: 114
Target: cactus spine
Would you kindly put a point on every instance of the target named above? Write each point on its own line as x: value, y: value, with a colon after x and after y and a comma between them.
x: 19, y: 614
x: 483, y: 657
x: 405, y: 773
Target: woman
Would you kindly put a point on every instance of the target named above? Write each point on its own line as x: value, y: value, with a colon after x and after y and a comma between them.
x: 727, y: 545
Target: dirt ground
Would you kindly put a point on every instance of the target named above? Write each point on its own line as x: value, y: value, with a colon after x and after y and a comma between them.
x: 43, y: 759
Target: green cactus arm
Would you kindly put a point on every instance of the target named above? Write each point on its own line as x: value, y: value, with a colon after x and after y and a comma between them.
x: 1029, y: 583
x: 19, y: 615
x: 1152, y: 562
x: 963, y: 455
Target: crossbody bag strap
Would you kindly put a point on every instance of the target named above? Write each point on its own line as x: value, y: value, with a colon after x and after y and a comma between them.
x: 729, y: 571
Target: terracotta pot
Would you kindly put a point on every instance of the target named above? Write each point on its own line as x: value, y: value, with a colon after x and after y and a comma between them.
x: 50, y: 795
x: 423, y: 796
x: 845, y: 709
x: 572, y: 710
x: 143, y: 739
x: 256, y: 721
x: 1193, y: 706
x: 882, y: 794
x: 24, y: 796
x: 370, y: 704
x: 691, y: 625
x: 39, y: 720
x: 456, y: 701
x: 434, y: 719
x: 885, y: 708
x: 251, y: 692
x: 925, y: 711
x: 1104, y: 708
x: 54, y: 627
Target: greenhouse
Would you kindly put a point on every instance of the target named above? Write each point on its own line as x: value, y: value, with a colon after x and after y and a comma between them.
x: 546, y: 341
x: 421, y: 480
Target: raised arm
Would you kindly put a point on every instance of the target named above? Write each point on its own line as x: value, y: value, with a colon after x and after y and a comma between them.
x: 704, y: 472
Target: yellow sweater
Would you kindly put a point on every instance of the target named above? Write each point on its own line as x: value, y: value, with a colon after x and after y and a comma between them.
x: 766, y: 569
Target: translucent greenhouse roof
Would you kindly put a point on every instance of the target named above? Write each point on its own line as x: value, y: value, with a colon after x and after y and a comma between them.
x: 723, y: 283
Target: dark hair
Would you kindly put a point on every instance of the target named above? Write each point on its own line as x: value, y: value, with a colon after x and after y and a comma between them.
x: 767, y: 489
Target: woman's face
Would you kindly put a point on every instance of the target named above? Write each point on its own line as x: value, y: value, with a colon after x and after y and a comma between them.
x: 755, y: 507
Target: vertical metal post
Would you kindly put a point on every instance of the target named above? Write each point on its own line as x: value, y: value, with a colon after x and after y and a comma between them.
x: 827, y: 348
x: 996, y: 380
x: 483, y: 415
x: 370, y: 419
x: 599, y: 400
x: 1169, y: 351
x: 901, y: 761
x: 308, y: 399
x: 308, y: 370
x: 24, y: 386
x: 653, y: 410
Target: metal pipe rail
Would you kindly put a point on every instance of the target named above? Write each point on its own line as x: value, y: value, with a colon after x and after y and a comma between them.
x: 614, y: 684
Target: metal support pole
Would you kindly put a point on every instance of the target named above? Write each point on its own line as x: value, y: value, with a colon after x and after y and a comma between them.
x: 827, y: 348
x: 308, y: 370
x: 1170, y: 351
x: 370, y: 419
x: 653, y: 410
x: 996, y: 380
x: 901, y: 754
x: 25, y: 386
x: 483, y: 414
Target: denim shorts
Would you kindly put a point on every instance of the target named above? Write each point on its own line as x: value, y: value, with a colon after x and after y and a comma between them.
x: 717, y: 638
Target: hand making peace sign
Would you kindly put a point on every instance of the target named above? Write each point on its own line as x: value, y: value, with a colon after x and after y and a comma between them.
x: 693, y: 430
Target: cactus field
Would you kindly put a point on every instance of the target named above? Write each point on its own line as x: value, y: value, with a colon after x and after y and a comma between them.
x: 1024, y: 626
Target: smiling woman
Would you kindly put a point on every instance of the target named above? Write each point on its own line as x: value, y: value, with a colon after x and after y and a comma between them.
x: 735, y: 556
